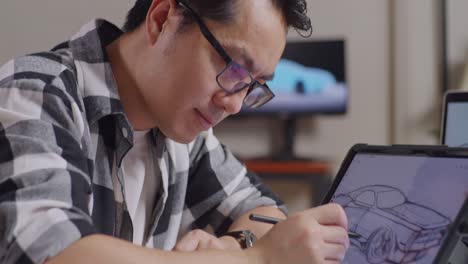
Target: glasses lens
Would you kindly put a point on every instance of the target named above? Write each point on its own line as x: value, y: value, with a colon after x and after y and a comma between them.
x: 234, y: 78
x: 258, y: 96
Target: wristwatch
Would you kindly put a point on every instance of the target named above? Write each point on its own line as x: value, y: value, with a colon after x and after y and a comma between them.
x: 245, y: 238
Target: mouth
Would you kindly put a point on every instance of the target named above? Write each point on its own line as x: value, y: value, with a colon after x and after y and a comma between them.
x: 205, y: 121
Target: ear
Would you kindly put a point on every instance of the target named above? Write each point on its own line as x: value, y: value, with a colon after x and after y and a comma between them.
x: 157, y: 17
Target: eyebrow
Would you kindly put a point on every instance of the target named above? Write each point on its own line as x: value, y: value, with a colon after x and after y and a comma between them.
x: 249, y: 62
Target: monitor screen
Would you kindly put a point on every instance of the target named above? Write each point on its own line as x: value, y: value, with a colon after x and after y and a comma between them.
x: 400, y: 207
x: 309, y: 78
x: 456, y: 124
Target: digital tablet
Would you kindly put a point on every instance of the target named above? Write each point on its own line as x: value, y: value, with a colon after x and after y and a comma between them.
x: 400, y: 200
x: 454, y: 129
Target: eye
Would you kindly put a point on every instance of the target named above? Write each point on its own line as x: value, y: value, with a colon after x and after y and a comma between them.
x: 236, y: 72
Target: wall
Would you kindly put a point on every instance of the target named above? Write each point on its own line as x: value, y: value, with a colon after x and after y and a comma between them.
x: 457, y: 42
x: 417, y: 88
x: 30, y: 26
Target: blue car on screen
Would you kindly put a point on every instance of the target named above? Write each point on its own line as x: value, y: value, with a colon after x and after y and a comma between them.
x: 292, y: 77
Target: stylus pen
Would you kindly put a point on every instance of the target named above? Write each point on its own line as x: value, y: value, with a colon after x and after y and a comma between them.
x: 273, y: 221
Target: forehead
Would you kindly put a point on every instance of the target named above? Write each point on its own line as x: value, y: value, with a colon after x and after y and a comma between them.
x: 257, y: 36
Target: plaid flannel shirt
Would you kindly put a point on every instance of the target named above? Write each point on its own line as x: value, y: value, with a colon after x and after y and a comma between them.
x: 63, y: 135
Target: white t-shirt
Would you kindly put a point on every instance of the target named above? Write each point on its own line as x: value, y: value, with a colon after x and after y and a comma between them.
x: 142, y: 181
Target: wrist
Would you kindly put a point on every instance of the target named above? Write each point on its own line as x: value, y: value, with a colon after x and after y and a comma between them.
x: 254, y: 255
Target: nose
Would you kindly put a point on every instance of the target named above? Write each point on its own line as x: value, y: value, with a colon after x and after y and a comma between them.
x: 230, y: 103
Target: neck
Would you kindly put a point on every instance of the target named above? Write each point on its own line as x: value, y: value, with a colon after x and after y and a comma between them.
x: 124, y: 56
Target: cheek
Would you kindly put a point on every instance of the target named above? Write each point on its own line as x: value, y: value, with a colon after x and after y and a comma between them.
x: 199, y: 85
x: 184, y: 76
x: 190, y: 91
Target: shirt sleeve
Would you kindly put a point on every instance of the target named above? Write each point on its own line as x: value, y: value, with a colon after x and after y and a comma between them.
x: 220, y: 189
x: 44, y: 177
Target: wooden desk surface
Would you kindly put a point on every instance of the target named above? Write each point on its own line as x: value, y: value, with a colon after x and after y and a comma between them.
x: 305, y: 167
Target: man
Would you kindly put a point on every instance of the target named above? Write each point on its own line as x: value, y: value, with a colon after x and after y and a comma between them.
x: 106, y: 140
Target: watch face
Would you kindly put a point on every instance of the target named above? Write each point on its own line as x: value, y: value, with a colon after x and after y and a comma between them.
x: 250, y: 238
x: 245, y: 238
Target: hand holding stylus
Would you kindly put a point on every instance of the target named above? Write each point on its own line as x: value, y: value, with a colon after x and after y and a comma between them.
x: 317, y: 235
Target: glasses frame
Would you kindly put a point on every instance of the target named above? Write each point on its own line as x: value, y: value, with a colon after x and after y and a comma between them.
x: 227, y: 59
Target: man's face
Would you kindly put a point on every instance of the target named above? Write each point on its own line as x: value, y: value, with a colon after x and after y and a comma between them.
x: 178, y: 82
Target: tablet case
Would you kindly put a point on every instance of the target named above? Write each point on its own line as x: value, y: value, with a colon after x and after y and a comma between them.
x: 454, y: 249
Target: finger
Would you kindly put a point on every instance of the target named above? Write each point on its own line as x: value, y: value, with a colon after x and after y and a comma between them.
x: 187, y: 243
x: 334, y: 252
x: 335, y: 235
x: 329, y: 214
x: 191, y: 240
x: 211, y: 243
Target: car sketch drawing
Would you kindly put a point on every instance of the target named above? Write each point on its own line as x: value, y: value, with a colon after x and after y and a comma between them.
x: 390, y: 227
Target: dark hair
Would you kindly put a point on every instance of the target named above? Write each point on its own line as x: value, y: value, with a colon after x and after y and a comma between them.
x: 294, y: 13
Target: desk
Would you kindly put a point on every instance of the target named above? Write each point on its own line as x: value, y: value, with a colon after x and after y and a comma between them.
x: 314, y: 173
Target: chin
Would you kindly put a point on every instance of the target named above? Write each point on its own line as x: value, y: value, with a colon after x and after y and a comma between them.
x: 183, y: 130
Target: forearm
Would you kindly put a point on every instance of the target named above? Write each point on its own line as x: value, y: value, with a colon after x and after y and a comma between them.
x: 105, y: 249
x: 259, y: 229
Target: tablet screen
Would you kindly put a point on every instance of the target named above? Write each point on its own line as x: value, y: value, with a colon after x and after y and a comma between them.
x: 400, y: 206
x: 456, y: 125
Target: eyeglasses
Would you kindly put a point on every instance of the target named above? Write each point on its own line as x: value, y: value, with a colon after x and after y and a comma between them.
x: 233, y: 78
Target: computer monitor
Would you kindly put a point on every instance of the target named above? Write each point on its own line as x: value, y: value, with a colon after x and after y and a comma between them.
x: 310, y: 79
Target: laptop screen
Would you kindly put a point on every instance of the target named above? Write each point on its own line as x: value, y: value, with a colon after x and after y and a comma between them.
x: 456, y: 133
x: 400, y: 206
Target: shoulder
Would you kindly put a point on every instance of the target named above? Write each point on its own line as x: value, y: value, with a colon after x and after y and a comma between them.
x: 45, y: 67
x: 50, y: 72
x: 42, y: 86
x: 47, y: 63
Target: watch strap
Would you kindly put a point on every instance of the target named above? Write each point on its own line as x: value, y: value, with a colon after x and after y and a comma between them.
x: 245, y: 238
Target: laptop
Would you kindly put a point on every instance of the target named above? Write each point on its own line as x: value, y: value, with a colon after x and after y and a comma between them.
x: 454, y: 130
x: 400, y: 200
